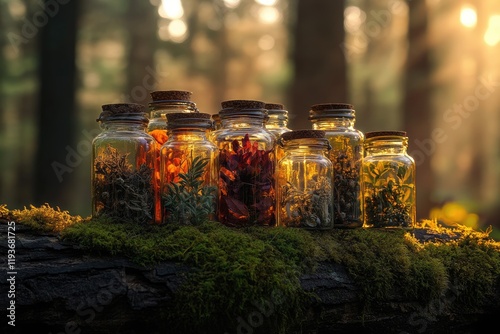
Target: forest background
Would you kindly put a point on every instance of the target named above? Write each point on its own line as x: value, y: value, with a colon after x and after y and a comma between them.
x: 429, y: 67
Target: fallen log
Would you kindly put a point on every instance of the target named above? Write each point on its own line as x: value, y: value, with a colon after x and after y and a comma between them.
x: 62, y: 288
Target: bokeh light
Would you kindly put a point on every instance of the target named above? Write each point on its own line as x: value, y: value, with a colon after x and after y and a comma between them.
x: 269, y: 15
x: 492, y: 35
x: 468, y: 17
x: 171, y: 9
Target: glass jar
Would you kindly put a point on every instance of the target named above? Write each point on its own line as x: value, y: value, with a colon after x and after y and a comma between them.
x: 216, y: 127
x: 163, y: 103
x: 167, y: 102
x: 188, y: 174
x: 389, y: 181
x: 337, y: 120
x: 277, y: 124
x: 278, y: 119
x: 304, y: 181
x: 216, y: 120
x: 123, y: 157
x: 246, y: 165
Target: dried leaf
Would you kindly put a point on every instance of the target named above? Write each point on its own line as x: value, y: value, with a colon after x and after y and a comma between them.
x: 237, y: 208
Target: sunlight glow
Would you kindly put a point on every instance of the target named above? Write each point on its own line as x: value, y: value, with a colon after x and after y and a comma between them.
x: 177, y: 30
x: 266, y: 42
x: 353, y: 18
x: 269, y: 15
x: 266, y: 2
x: 17, y: 9
x: 171, y: 9
x: 232, y: 3
x: 468, y: 17
x: 492, y: 35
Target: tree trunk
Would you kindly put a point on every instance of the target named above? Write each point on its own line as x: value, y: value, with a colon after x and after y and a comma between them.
x: 57, y: 112
x: 418, y: 113
x: 141, y: 22
x: 318, y: 60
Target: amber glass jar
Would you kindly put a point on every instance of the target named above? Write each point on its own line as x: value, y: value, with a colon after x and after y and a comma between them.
x: 165, y: 102
x: 188, y: 174
x: 246, y: 165
x: 123, y: 157
x: 337, y: 120
x: 389, y: 181
x: 304, y: 181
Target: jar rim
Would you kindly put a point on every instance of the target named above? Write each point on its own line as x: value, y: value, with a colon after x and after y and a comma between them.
x: 296, y: 136
x: 253, y: 113
x: 378, y: 134
x: 189, y: 120
x: 128, y: 112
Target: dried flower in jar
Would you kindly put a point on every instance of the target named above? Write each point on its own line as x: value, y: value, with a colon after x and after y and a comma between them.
x: 246, y: 177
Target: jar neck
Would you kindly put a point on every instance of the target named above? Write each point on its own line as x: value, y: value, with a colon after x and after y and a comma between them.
x: 187, y: 134
x: 306, y: 146
x: 329, y: 123
x: 123, y: 126
x: 160, y: 109
x: 242, y: 122
x: 386, y: 145
x: 277, y: 122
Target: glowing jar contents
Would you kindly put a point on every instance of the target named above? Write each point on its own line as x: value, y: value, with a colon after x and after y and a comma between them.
x: 304, y: 181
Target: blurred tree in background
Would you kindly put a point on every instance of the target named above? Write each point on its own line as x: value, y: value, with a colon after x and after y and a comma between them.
x: 425, y: 66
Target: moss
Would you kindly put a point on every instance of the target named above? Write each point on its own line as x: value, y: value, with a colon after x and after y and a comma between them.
x: 473, y: 267
x: 43, y: 218
x: 235, y: 270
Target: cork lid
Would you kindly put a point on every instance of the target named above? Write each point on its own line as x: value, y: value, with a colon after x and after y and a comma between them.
x: 250, y: 108
x: 276, y: 110
x: 243, y: 104
x: 171, y: 95
x: 123, y: 111
x: 325, y: 110
x: 300, y: 134
x: 274, y: 106
x: 197, y: 120
x: 373, y: 134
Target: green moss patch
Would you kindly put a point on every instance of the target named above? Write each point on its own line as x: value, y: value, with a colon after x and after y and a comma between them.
x: 236, y: 271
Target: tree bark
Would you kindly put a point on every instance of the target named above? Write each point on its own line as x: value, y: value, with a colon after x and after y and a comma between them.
x: 318, y: 59
x: 418, y: 117
x: 141, y: 22
x: 56, y: 111
x: 61, y: 288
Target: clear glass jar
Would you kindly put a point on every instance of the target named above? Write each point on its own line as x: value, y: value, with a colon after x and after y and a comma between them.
x: 217, y: 126
x: 163, y: 103
x: 337, y: 120
x: 123, y: 158
x: 277, y: 124
x: 217, y: 123
x: 167, y: 102
x: 389, y: 181
x: 278, y: 119
x: 305, y: 181
x: 246, y: 165
x: 188, y: 173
